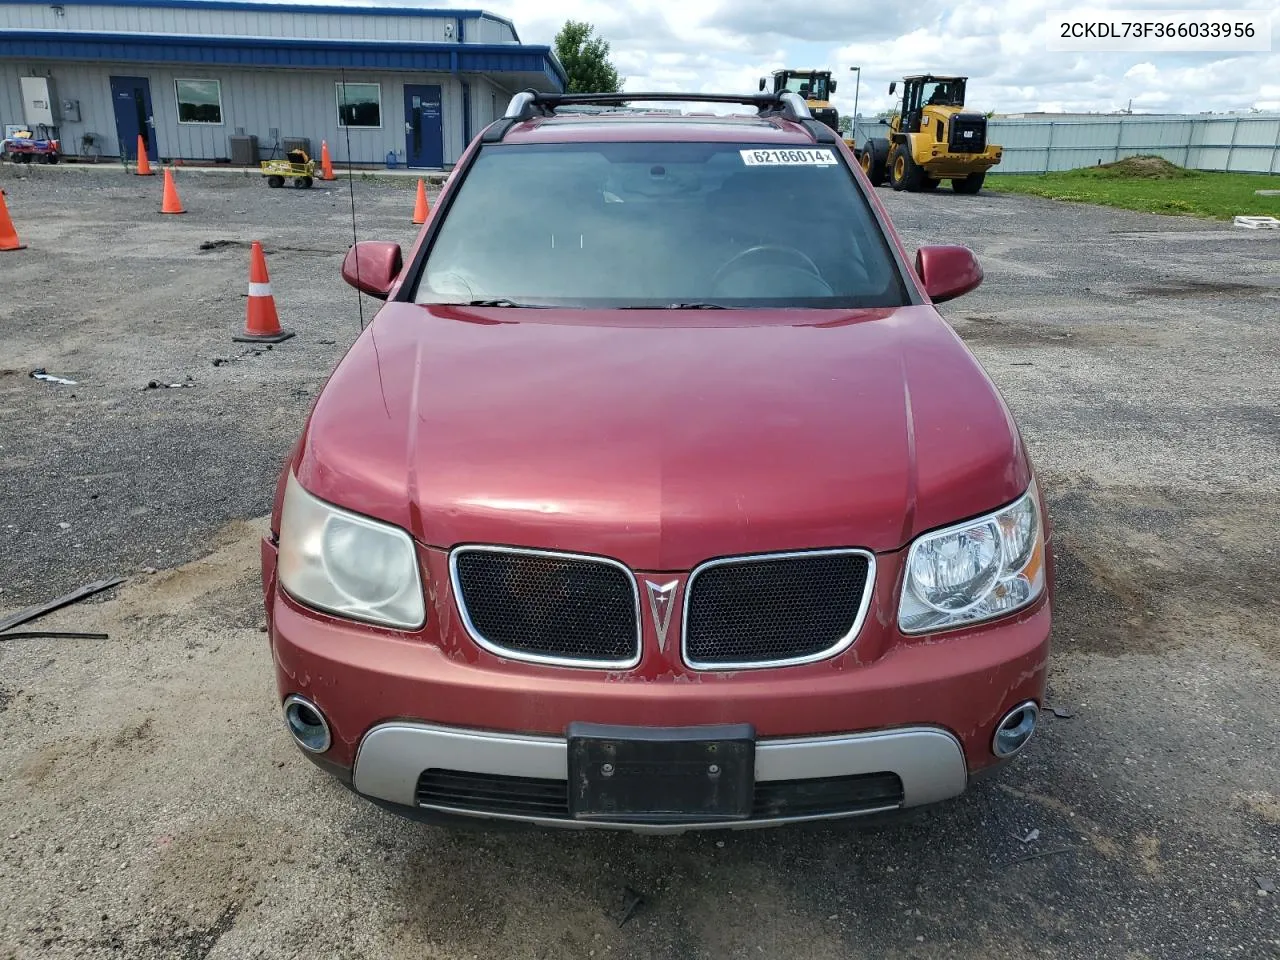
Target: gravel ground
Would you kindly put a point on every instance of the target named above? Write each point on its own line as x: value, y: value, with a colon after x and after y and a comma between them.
x: 152, y: 806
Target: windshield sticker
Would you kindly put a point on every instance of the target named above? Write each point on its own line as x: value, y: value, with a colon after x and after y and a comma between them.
x: 788, y: 158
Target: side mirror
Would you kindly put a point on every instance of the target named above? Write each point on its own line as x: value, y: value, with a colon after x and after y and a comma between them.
x: 833, y: 86
x: 892, y: 87
x: 947, y: 272
x: 762, y: 83
x: 372, y: 267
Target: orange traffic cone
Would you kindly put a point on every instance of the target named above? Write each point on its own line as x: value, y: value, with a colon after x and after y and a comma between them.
x: 171, y: 202
x: 8, y: 235
x: 262, y: 325
x: 144, y: 162
x: 420, y: 209
x: 326, y: 164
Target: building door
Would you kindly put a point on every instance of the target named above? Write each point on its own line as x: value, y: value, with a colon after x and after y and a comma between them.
x: 423, y: 135
x: 131, y: 97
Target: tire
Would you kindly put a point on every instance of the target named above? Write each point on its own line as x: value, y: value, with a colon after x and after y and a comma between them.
x: 874, y: 161
x: 970, y: 184
x: 303, y: 183
x: 904, y: 172
x: 275, y: 181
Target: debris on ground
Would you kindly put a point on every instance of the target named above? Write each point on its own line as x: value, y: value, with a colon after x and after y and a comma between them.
x: 1265, y: 884
x: 1062, y: 713
x: 251, y: 352
x: 1031, y: 837
x: 52, y: 635
x: 631, y: 900
x: 31, y: 613
x: 1258, y: 223
x: 39, y: 373
x: 158, y: 385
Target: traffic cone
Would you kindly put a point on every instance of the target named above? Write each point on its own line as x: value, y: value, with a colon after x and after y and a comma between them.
x: 262, y: 325
x: 171, y: 202
x: 420, y: 209
x: 326, y: 164
x: 8, y: 235
x: 144, y: 162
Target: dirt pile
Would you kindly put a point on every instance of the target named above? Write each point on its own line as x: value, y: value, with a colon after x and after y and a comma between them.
x: 1144, y: 167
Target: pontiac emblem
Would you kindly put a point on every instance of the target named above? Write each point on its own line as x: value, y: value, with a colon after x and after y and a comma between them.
x: 661, y: 603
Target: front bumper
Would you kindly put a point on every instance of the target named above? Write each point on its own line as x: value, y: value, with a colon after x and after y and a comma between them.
x: 922, y: 710
x: 928, y: 762
x: 942, y: 165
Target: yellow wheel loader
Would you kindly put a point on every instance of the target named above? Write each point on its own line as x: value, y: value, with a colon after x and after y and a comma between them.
x: 931, y: 138
x: 815, y: 86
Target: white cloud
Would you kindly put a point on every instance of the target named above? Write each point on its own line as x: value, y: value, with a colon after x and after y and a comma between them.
x: 725, y: 45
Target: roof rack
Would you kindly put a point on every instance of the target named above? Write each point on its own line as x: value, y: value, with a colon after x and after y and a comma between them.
x: 528, y: 104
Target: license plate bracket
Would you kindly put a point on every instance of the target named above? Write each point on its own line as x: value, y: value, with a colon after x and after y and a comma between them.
x: 661, y: 774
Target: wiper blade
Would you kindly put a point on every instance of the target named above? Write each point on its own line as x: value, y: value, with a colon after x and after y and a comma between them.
x: 680, y: 306
x: 500, y: 302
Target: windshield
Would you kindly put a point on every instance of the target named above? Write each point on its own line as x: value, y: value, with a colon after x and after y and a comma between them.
x: 947, y: 93
x: 660, y: 224
x: 817, y: 85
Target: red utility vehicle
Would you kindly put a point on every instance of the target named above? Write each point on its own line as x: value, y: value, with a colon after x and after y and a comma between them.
x: 658, y: 495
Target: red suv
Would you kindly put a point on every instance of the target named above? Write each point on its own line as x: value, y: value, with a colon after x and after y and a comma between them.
x: 658, y: 495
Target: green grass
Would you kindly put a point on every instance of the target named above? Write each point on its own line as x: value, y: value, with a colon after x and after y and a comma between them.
x: 1151, y: 185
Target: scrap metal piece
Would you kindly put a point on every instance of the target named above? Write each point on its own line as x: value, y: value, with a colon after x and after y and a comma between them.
x: 24, y: 616
x: 632, y: 901
x: 52, y: 635
x: 39, y: 373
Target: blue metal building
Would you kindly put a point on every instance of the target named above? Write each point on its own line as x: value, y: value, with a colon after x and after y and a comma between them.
x: 240, y: 80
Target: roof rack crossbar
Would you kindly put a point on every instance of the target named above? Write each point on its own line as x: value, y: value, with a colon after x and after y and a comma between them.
x: 528, y: 104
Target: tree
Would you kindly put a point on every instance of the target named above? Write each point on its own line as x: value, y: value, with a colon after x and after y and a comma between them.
x: 586, y: 59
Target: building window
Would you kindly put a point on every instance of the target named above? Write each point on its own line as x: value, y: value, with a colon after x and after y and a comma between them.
x: 359, y: 104
x: 199, y: 101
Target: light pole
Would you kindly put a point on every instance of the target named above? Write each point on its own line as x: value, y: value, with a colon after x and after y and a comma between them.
x: 857, y: 83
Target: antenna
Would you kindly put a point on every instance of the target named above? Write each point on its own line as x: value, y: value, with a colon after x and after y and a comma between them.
x: 351, y: 188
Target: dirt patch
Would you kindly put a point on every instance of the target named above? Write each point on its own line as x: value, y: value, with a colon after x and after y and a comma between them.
x: 1262, y: 804
x: 232, y: 562
x: 999, y: 332
x: 1203, y: 290
x: 267, y: 249
x: 195, y: 943
x: 1146, y: 569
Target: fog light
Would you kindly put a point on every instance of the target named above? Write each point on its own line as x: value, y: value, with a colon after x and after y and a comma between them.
x: 1013, y: 732
x: 307, y: 724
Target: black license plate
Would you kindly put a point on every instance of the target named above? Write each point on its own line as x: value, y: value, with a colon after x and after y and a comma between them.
x: 661, y: 774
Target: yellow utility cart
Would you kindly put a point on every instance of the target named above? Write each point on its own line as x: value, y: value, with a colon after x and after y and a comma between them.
x: 297, y: 166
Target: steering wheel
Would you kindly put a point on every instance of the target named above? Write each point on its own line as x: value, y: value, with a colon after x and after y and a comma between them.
x: 788, y: 253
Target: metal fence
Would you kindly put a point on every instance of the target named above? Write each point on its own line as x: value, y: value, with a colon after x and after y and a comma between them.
x: 1241, y: 144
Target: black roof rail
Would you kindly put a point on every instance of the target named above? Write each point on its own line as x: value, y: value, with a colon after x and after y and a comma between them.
x: 528, y: 104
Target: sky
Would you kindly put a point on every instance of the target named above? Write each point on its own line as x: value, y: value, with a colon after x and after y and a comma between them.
x: 727, y: 45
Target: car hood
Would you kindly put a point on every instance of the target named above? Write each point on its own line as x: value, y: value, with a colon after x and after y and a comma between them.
x: 661, y: 438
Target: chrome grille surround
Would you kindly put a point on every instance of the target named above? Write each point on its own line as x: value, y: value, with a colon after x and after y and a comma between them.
x: 845, y: 641
x: 526, y: 656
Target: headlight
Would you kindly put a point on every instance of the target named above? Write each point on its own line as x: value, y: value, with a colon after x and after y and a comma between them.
x: 348, y: 564
x: 974, y: 571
